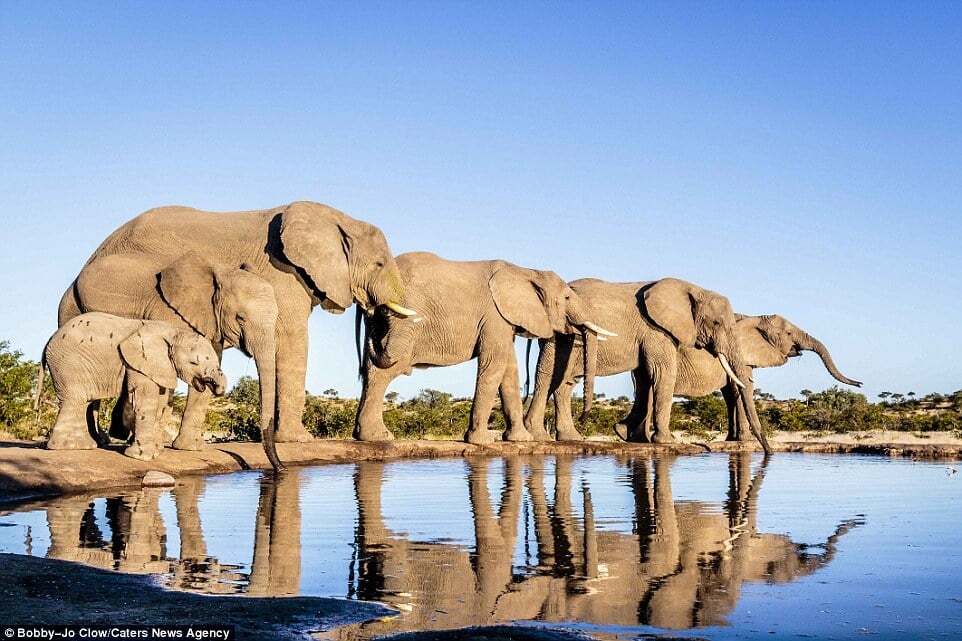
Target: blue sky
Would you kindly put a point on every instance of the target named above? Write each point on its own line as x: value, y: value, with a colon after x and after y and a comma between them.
x: 801, y: 158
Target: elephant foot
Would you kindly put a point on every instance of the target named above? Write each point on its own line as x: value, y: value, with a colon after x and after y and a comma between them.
x: 188, y: 442
x: 142, y: 452
x: 375, y: 434
x: 71, y: 441
x: 518, y: 435
x: 662, y: 437
x: 570, y: 435
x: 293, y: 434
x: 539, y: 434
x: 628, y: 435
x: 482, y: 437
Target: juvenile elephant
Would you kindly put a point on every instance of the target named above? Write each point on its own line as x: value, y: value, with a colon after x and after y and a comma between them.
x: 472, y: 310
x: 653, y: 322
x: 766, y: 341
x: 96, y: 355
x: 230, y: 306
x: 178, y: 263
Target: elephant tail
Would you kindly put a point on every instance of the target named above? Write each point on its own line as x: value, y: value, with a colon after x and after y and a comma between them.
x: 527, y: 371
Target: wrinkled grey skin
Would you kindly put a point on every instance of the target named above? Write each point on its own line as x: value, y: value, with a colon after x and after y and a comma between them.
x: 213, y: 272
x: 95, y: 356
x: 466, y: 310
x: 653, y: 322
x: 766, y: 341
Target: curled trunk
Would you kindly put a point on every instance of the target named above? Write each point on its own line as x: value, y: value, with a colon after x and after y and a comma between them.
x: 589, y: 352
x: 815, y: 345
x: 264, y: 351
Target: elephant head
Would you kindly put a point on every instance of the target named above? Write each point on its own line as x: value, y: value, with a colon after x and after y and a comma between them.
x: 342, y: 260
x: 540, y: 304
x: 700, y: 318
x: 769, y: 341
x: 234, y: 306
x: 197, y: 363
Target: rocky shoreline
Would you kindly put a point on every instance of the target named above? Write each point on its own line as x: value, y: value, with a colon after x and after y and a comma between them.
x: 27, y: 470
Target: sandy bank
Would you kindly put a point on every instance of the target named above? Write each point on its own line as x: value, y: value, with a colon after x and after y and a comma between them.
x: 44, y: 591
x: 27, y: 470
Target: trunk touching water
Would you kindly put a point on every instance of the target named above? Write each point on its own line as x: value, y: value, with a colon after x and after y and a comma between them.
x: 748, y: 405
x: 812, y: 344
x: 264, y: 351
x: 589, y: 352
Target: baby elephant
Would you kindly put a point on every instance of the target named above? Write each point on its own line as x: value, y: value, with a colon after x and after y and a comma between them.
x: 96, y: 355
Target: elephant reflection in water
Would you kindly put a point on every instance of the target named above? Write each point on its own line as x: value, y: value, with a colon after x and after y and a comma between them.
x: 138, y: 538
x: 682, y: 566
x: 435, y: 585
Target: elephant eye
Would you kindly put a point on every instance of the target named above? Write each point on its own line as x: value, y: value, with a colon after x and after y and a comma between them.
x: 240, y: 318
x: 379, y: 264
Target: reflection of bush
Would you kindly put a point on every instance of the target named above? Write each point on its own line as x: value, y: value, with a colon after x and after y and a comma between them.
x: 435, y: 414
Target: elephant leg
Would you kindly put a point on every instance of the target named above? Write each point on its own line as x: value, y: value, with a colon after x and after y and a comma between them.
x: 663, y: 376
x: 510, y: 392
x: 70, y: 432
x: 168, y: 429
x: 291, y: 376
x: 553, y: 362
x: 121, y: 418
x: 534, y: 415
x: 565, y: 429
x: 636, y: 426
x: 369, y: 421
x: 731, y: 401
x: 145, y: 397
x: 490, y: 374
x: 191, y: 436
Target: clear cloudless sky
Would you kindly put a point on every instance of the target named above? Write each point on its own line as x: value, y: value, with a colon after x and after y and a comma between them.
x: 801, y: 158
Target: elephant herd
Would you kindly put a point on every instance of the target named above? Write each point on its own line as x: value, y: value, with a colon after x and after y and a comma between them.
x: 251, y: 279
x: 682, y: 563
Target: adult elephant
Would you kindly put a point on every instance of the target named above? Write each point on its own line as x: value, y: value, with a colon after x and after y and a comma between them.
x: 472, y: 310
x: 653, y: 322
x: 766, y: 341
x: 246, y: 279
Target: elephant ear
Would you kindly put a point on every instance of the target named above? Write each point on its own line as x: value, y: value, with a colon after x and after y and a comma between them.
x: 188, y: 285
x: 669, y: 304
x: 314, y: 241
x: 148, y: 352
x: 520, y: 301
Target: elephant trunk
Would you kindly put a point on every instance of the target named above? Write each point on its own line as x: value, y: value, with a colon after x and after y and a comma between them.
x: 589, y: 353
x: 527, y: 370
x: 264, y: 350
x: 748, y: 405
x: 359, y: 343
x: 812, y: 344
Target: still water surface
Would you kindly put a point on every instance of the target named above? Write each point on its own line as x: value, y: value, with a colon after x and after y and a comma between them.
x: 716, y: 546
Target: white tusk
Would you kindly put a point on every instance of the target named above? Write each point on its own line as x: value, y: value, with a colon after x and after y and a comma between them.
x: 600, y: 331
x: 602, y: 338
x: 728, y: 370
x: 399, y: 310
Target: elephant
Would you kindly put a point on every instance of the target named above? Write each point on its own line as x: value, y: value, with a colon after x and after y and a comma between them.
x: 213, y: 271
x: 473, y: 310
x: 766, y: 341
x: 682, y: 564
x: 654, y: 321
x: 97, y: 355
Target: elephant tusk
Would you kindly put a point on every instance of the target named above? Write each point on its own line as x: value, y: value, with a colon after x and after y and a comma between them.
x: 728, y: 370
x: 600, y: 331
x: 399, y: 310
x: 602, y: 338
